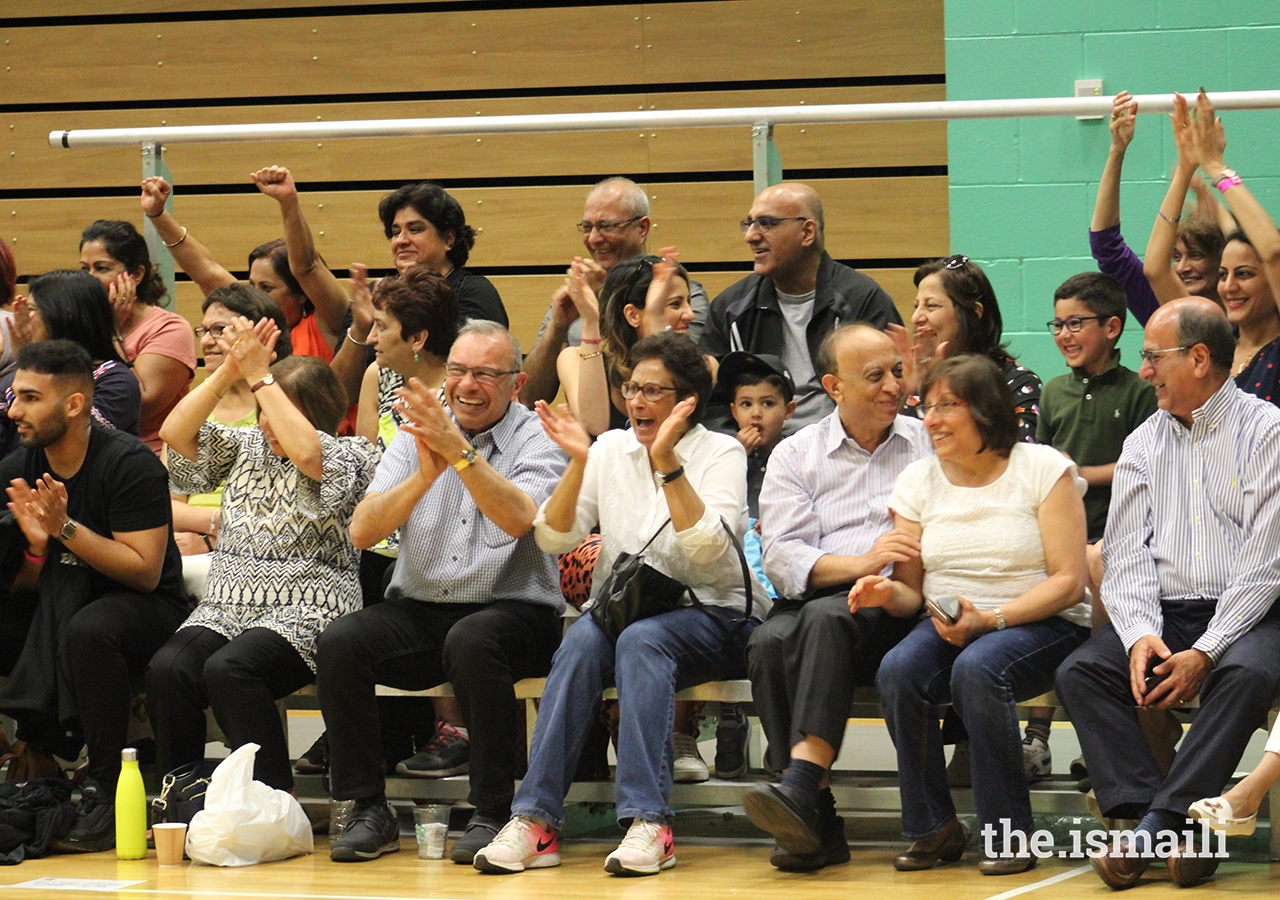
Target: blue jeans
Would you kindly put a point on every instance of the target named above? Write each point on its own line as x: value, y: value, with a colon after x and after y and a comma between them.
x: 983, y: 682
x: 653, y: 659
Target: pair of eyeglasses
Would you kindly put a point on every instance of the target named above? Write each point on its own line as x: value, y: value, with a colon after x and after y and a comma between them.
x: 605, y: 227
x: 1154, y: 356
x: 765, y: 224
x: 943, y: 408
x: 1072, y: 323
x: 652, y: 392
x: 482, y: 374
x: 216, y: 331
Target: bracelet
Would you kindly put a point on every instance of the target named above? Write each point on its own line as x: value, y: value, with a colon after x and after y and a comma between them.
x: 589, y: 340
x: 156, y: 216
x: 591, y: 355
x: 352, y: 339
x: 213, y: 522
x: 178, y: 241
x: 32, y: 558
x: 1224, y: 183
x: 208, y: 543
x: 1161, y: 214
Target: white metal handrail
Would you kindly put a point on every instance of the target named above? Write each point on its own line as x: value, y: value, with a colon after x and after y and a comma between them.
x: 617, y: 121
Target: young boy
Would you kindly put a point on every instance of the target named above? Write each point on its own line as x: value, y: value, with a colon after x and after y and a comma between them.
x: 761, y: 395
x: 1087, y: 415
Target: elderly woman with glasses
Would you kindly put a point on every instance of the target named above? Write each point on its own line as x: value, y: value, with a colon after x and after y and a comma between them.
x: 955, y: 313
x: 669, y: 479
x: 1002, y: 573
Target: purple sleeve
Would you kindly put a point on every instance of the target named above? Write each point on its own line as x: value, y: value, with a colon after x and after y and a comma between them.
x: 1115, y: 258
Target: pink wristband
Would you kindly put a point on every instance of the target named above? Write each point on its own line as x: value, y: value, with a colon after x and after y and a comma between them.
x: 32, y: 558
x: 1228, y: 183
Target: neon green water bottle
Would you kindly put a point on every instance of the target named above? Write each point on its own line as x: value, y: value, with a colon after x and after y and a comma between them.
x: 131, y: 808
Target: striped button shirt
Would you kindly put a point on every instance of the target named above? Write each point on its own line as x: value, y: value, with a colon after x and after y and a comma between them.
x: 824, y: 494
x: 1195, y: 515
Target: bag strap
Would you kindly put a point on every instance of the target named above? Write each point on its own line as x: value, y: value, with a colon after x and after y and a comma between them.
x: 747, y: 578
x: 655, y: 536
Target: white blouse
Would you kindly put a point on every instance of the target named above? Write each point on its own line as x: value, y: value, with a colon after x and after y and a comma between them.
x: 983, y: 543
x: 620, y: 495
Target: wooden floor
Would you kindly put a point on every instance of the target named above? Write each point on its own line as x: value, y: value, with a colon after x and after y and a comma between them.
x: 737, y: 869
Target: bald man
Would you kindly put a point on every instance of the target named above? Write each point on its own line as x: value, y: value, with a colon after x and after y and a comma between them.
x: 795, y: 297
x: 1190, y: 586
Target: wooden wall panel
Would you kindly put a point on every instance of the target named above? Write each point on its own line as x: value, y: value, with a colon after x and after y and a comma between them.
x: 34, y: 164
x: 487, y: 49
x: 866, y: 218
x: 20, y: 9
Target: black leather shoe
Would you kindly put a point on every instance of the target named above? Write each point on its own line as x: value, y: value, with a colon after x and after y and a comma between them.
x: 1119, y: 870
x: 944, y: 847
x: 835, y: 850
x: 775, y: 809
x: 1187, y: 871
x: 1012, y: 865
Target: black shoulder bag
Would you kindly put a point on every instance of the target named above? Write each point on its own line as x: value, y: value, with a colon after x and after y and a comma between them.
x: 636, y: 590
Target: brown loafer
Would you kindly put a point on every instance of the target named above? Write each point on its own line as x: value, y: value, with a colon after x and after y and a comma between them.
x: 1118, y: 870
x: 944, y: 847
x: 1187, y: 871
x: 1011, y: 865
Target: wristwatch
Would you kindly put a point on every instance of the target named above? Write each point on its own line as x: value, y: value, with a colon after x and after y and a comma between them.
x: 661, y: 479
x: 1000, y: 623
x: 69, y: 529
x: 469, y: 456
x: 266, y: 380
x: 1224, y: 175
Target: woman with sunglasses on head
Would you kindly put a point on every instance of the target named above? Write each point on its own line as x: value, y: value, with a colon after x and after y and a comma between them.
x: 196, y: 516
x: 156, y: 342
x: 73, y: 305
x: 670, y: 478
x: 956, y: 313
x: 1002, y: 571
x: 284, y: 566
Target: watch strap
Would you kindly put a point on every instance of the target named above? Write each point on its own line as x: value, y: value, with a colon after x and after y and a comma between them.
x: 468, y: 457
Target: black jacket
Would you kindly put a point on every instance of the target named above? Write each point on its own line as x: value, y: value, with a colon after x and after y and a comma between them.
x: 746, y: 315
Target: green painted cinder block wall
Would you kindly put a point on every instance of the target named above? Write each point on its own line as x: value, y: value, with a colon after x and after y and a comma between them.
x: 1022, y: 190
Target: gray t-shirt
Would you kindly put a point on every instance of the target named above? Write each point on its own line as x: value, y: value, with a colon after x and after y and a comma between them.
x: 812, y: 402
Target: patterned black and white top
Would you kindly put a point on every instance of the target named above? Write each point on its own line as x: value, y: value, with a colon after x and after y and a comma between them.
x: 284, y: 559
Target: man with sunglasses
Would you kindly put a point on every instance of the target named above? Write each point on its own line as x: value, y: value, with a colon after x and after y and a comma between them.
x: 472, y: 600
x: 1190, y: 586
x: 796, y: 296
x: 615, y: 225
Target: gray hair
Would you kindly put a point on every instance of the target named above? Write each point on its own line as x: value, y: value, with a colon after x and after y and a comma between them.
x: 634, y: 199
x: 1211, y: 328
x: 487, y: 328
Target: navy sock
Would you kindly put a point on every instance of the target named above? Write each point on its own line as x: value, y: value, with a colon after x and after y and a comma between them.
x: 804, y: 780
x: 1158, y: 820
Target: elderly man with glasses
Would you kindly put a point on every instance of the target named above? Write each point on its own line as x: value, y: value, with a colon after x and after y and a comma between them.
x: 1190, y: 586
x: 796, y: 295
x: 472, y: 600
x: 615, y: 225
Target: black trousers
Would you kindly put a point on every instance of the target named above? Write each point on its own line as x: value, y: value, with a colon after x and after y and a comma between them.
x: 109, y: 643
x: 481, y: 649
x: 1093, y: 685
x: 241, y: 679
x: 804, y: 663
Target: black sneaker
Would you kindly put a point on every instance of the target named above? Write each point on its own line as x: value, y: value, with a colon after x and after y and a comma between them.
x: 448, y: 753
x: 733, y: 736
x: 481, y: 831
x: 834, y: 850
x: 316, y: 760
x: 94, y: 828
x: 372, y: 830
x: 776, y: 809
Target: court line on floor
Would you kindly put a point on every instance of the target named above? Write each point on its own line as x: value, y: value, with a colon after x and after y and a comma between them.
x: 188, y: 892
x: 1026, y: 888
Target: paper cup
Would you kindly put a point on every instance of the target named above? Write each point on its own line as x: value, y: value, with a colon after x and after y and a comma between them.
x: 171, y: 839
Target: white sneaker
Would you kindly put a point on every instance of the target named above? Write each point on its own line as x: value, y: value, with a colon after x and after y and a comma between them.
x: 521, y: 844
x: 687, y: 764
x: 647, y: 849
x: 1036, y: 758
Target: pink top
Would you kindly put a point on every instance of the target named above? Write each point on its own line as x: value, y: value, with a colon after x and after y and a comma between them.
x: 162, y: 333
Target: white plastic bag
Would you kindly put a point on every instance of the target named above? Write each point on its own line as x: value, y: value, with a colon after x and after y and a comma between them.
x: 244, y: 821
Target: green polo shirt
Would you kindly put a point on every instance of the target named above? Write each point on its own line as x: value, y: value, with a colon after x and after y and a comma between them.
x: 1088, y: 417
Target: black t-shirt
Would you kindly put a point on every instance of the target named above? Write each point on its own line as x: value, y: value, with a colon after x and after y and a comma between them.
x: 121, y: 487
x: 477, y: 297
